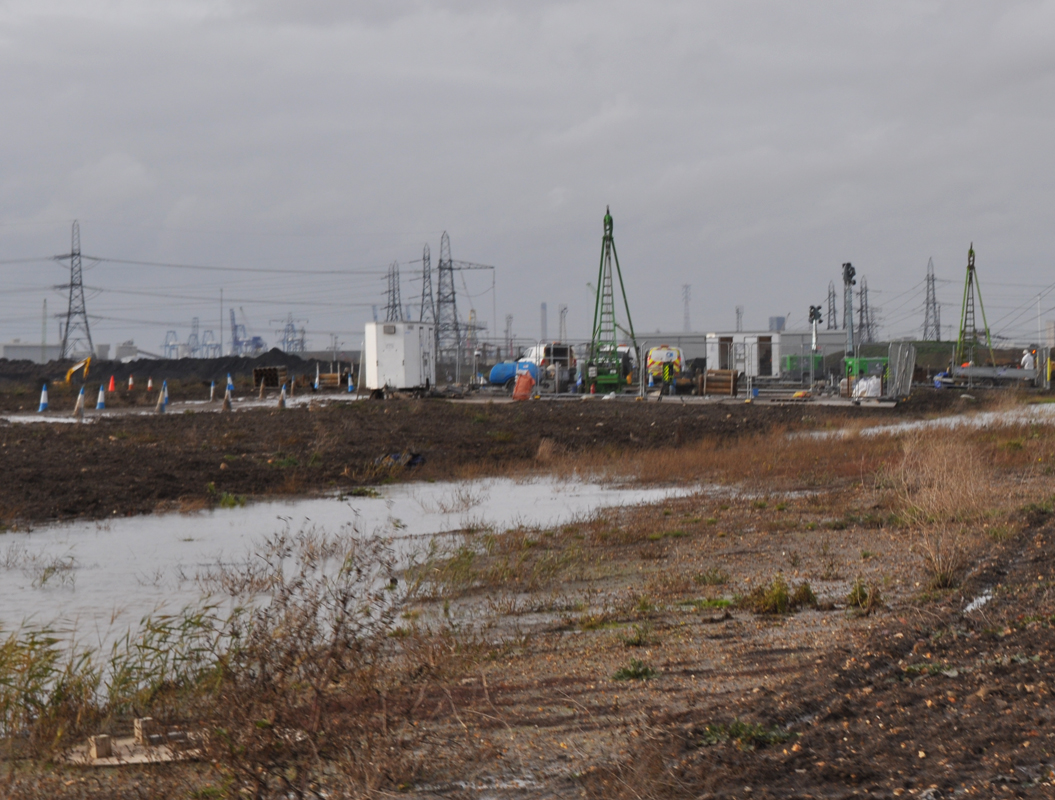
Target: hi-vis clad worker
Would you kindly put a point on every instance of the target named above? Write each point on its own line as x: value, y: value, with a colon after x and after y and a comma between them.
x: 1027, y: 360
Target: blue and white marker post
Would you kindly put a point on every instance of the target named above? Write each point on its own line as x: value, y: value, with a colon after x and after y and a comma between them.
x: 282, y: 397
x: 78, y: 407
x: 230, y: 384
x: 350, y: 387
x: 316, y: 377
x: 160, y: 407
x: 212, y: 392
x: 100, y: 404
x: 43, y: 400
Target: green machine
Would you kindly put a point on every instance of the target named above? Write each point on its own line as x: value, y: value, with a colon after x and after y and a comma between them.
x: 865, y: 366
x: 607, y: 369
x: 800, y: 364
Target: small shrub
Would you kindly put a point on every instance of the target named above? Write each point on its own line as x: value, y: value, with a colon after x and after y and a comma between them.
x: 778, y: 598
x: 228, y: 500
x: 864, y: 598
x: 363, y: 491
x: 634, y: 671
x: 715, y: 576
x: 745, y: 735
x: 946, y: 557
x: 708, y: 602
x: 641, y: 636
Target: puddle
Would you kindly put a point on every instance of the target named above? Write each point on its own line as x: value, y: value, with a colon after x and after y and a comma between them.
x: 95, y: 580
x: 1041, y: 414
x: 979, y: 601
x: 92, y: 414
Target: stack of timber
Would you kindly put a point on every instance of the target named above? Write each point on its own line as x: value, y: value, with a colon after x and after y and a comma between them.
x: 329, y: 380
x: 269, y: 376
x: 718, y: 381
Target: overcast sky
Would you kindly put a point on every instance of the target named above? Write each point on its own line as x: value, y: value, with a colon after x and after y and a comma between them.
x: 745, y: 148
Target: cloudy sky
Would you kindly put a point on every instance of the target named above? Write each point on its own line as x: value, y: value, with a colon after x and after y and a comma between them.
x: 745, y: 148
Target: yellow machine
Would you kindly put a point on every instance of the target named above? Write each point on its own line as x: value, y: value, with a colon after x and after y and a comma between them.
x: 86, y: 363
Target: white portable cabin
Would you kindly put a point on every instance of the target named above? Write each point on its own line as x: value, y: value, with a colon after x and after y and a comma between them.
x: 759, y: 353
x: 399, y: 355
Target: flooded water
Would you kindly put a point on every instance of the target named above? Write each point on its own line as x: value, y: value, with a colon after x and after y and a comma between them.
x: 1038, y: 414
x: 95, y: 580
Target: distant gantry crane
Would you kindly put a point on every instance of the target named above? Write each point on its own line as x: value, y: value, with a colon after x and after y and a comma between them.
x: 241, y: 343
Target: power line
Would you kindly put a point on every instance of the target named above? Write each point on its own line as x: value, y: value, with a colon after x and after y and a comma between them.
x: 213, y: 268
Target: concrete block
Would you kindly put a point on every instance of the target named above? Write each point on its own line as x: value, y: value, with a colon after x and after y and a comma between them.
x: 143, y: 729
x: 100, y: 746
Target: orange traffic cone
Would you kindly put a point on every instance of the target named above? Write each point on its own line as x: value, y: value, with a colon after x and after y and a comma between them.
x: 150, y: 384
x: 112, y: 387
x: 131, y: 383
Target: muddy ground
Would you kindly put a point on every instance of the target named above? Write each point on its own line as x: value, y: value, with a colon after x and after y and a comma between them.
x: 630, y: 665
x: 136, y: 464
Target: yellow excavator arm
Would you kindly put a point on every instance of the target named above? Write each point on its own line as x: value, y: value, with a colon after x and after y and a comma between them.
x: 86, y: 363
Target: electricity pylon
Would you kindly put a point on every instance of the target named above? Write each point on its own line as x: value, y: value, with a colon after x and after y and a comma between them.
x: 932, y: 312
x: 428, y: 306
x: 833, y: 322
x: 76, y: 337
x: 394, y: 305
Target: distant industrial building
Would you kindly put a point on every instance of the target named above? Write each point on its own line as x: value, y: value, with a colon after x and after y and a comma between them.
x: 27, y: 351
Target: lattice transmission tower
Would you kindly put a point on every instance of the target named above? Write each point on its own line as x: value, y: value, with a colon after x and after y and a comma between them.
x: 76, y: 337
x: 393, y: 303
x: 449, y: 330
x: 932, y: 311
x: 428, y: 304
x: 833, y: 321
x: 448, y: 335
x: 866, y: 328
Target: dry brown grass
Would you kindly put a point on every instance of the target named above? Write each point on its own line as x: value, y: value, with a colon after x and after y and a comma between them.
x: 773, y: 460
x: 941, y: 478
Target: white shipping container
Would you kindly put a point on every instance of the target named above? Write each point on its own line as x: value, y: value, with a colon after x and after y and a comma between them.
x: 399, y: 355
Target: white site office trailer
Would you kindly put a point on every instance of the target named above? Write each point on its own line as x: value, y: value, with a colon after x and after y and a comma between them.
x: 399, y: 355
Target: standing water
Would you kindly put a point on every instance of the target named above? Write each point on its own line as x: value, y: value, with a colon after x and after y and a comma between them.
x: 95, y: 580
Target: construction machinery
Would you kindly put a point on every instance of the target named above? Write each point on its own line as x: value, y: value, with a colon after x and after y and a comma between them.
x: 607, y: 368
x: 968, y: 338
x: 85, y: 364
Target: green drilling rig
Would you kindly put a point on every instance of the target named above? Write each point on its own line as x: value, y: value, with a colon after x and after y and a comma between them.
x: 968, y: 339
x: 608, y: 369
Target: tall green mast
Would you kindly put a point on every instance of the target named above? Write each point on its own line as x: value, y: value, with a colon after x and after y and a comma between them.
x: 605, y: 368
x: 968, y: 338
